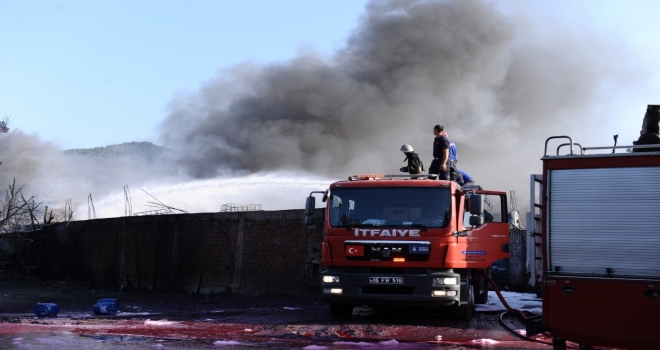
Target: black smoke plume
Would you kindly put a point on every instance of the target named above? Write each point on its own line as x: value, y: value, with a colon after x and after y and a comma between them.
x: 498, y: 84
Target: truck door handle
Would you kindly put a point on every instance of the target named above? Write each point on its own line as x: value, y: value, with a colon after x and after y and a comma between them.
x: 568, y: 289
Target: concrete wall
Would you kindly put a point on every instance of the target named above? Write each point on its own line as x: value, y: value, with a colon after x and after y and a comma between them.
x: 251, y: 253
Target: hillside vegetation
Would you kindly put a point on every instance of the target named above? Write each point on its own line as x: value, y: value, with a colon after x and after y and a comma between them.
x: 145, y: 150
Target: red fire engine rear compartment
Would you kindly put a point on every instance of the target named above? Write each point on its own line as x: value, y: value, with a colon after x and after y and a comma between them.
x: 601, y: 279
x: 604, y: 312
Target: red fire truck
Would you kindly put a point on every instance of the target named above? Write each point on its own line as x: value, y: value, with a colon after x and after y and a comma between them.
x: 600, y: 245
x: 400, y: 241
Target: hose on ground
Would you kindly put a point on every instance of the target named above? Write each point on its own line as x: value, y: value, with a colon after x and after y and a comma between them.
x: 524, y: 337
x: 521, y: 315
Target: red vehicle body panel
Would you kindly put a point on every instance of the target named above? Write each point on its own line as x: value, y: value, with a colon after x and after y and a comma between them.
x: 603, y: 312
x: 599, y: 311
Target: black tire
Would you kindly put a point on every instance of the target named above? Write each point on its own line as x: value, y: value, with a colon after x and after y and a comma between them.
x: 482, y: 297
x: 558, y: 344
x: 341, y: 311
x: 464, y: 312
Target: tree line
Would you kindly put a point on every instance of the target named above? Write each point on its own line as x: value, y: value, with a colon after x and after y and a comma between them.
x: 145, y: 150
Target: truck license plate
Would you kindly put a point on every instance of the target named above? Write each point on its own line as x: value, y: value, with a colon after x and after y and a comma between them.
x: 385, y: 280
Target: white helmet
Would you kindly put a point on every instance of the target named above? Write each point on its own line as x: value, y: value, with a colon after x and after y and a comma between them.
x: 406, y: 148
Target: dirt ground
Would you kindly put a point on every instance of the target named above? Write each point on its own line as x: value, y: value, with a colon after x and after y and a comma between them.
x: 77, y: 298
x: 150, y: 319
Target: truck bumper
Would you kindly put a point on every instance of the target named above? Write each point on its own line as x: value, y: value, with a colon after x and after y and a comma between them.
x: 402, y: 287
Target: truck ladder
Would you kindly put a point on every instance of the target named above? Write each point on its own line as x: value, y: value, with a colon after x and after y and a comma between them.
x: 534, y: 253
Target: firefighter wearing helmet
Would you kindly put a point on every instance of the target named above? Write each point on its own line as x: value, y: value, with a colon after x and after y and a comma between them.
x: 415, y: 166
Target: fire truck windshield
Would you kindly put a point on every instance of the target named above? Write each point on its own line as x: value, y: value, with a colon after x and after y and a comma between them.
x: 398, y: 206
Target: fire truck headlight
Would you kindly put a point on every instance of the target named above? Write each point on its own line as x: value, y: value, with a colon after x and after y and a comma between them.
x: 444, y: 293
x: 330, y: 279
x: 444, y: 281
x: 332, y: 290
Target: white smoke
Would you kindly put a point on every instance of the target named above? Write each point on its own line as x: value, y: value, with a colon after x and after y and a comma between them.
x: 271, y: 191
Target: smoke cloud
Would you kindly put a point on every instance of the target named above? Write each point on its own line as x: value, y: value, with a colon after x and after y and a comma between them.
x: 51, y: 177
x: 499, y: 84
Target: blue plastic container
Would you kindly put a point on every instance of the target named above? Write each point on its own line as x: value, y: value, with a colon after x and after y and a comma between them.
x: 46, y: 309
x: 106, y: 306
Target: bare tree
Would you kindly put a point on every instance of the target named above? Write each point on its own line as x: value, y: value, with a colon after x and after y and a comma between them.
x: 19, y: 214
x: 4, y: 125
x: 16, y: 209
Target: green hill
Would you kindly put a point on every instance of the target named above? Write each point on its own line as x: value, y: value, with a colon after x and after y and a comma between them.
x: 145, y: 150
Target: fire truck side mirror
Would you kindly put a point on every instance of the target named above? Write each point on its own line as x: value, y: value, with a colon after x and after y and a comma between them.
x: 309, y: 210
x: 310, y: 206
x: 476, y: 220
x: 477, y: 210
x: 476, y: 204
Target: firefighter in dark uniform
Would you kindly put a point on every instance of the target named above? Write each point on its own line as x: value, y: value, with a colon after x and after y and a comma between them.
x: 440, y: 163
x: 650, y: 134
x: 415, y: 165
x: 454, y: 172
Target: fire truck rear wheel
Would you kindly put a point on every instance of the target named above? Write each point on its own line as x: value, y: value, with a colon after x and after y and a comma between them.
x: 341, y: 311
x: 464, y: 312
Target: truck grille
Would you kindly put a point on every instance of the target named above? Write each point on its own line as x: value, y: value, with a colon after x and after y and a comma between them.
x: 387, y: 290
x: 387, y: 250
x: 386, y: 271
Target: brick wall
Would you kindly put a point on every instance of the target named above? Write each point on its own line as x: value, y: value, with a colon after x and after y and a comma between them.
x: 249, y: 253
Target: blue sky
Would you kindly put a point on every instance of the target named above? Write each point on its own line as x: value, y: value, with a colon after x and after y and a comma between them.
x: 93, y: 73
x: 84, y: 74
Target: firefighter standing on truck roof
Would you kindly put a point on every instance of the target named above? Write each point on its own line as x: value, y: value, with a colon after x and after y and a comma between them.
x: 467, y: 179
x: 454, y: 172
x: 440, y: 163
x: 415, y: 165
x: 650, y: 133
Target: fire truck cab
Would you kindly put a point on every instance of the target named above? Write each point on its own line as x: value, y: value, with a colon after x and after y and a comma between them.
x: 400, y: 241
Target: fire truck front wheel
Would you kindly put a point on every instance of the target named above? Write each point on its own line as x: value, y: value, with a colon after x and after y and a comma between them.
x: 482, y: 296
x: 464, y: 312
x: 341, y: 311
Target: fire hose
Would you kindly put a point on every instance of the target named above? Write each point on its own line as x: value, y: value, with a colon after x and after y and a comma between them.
x: 509, y: 310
